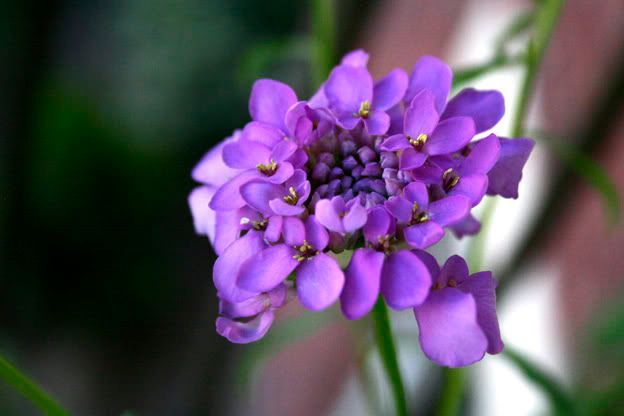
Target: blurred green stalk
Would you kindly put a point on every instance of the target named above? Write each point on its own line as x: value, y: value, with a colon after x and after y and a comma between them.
x: 324, y: 38
x: 546, y: 18
x: 30, y: 390
x: 387, y: 352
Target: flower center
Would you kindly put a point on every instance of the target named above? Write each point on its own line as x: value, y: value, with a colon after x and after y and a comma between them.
x: 450, y: 283
x: 260, y: 225
x: 419, y: 141
x: 418, y: 216
x: 364, y: 110
x: 268, y: 169
x: 449, y: 179
x: 305, y: 252
x: 292, y: 198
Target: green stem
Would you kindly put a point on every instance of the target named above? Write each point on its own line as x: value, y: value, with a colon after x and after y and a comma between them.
x: 546, y: 18
x: 452, y: 391
x: 30, y: 390
x: 324, y: 37
x: 387, y: 351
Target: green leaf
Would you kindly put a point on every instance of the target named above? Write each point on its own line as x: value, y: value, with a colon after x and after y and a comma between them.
x: 30, y: 390
x: 591, y: 171
x: 561, y: 402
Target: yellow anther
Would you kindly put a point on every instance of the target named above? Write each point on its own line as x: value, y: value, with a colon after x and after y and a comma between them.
x: 415, y: 207
x: 419, y: 141
x: 259, y: 225
x: 364, y: 110
x: 292, y: 198
x: 267, y: 168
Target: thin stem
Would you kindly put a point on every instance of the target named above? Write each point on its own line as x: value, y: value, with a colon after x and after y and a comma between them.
x: 546, y: 18
x: 452, y: 391
x: 387, y: 351
x: 30, y: 390
x: 324, y: 35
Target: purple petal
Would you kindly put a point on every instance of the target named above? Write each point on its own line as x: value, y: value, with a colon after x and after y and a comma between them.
x: 357, y: 58
x: 245, y: 154
x: 355, y: 218
x: 405, y: 280
x: 389, y: 90
x: 450, y: 135
x: 269, y: 102
x: 472, y: 186
x: 454, y: 268
x: 247, y: 308
x: 417, y: 192
x: 294, y: 114
x: 263, y: 133
x: 483, y: 155
x: 423, y: 235
x: 432, y: 74
x: 377, y: 123
x: 316, y: 234
x: 211, y: 170
x: 400, y: 208
x: 319, y: 282
x: 348, y: 87
x: 294, y: 231
x: 227, y: 267
x: 396, y: 142
x: 506, y: 174
x: 281, y: 207
x: 203, y: 217
x: 486, y: 108
x: 274, y: 229
x: 411, y: 159
x: 266, y: 269
x: 228, y: 196
x: 227, y: 229
x: 449, y: 332
x: 449, y: 210
x: 283, y: 150
x: 468, y: 226
x: 421, y: 116
x: 378, y: 224
x: 258, y: 194
x: 329, y: 214
x: 283, y: 172
x: 348, y: 121
x: 483, y: 288
x: 429, y: 261
x: 362, y: 279
x: 396, y: 119
x: 245, y: 332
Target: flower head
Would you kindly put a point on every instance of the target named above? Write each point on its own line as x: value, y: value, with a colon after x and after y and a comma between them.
x: 379, y: 169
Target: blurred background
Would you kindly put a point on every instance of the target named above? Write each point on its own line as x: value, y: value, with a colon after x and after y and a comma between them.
x: 106, y: 296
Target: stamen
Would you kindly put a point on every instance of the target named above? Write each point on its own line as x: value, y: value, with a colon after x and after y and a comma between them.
x: 449, y: 179
x: 292, y: 198
x: 267, y: 169
x: 419, y: 141
x: 364, y: 110
x: 306, y: 252
x: 260, y: 225
x: 418, y: 216
x: 452, y: 283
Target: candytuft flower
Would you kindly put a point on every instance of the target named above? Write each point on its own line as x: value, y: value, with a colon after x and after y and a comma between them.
x: 379, y: 169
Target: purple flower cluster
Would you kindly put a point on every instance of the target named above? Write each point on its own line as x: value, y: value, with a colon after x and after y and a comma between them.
x: 381, y: 169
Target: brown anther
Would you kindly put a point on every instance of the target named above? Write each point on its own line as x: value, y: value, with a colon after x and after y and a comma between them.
x: 452, y: 283
x: 449, y: 179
